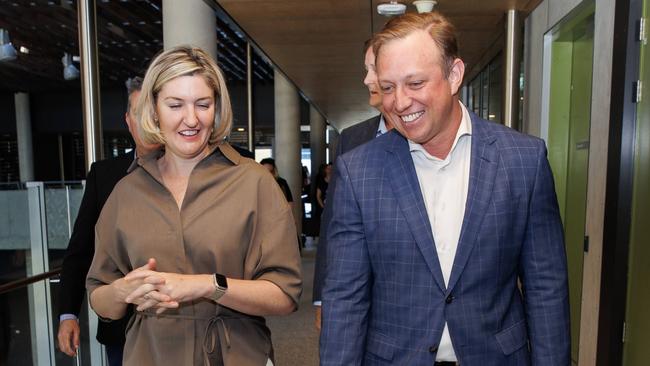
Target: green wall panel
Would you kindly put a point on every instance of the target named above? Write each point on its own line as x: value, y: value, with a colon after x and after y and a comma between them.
x: 636, y: 351
x: 568, y: 143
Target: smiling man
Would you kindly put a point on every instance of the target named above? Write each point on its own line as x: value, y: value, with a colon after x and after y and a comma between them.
x: 436, y: 223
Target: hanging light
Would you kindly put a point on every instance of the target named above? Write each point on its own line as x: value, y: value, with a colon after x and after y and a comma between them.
x: 391, y: 8
x: 425, y: 6
x: 7, y: 50
x: 70, y: 71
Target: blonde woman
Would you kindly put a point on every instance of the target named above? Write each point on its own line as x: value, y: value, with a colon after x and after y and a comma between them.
x: 196, y: 237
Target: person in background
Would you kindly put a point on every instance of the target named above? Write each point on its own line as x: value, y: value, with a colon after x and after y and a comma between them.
x: 197, y: 237
x: 322, y: 184
x: 350, y: 138
x: 101, y: 179
x: 269, y: 164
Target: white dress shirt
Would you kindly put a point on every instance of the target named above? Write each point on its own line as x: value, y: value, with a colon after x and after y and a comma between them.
x: 381, y: 129
x: 444, y: 184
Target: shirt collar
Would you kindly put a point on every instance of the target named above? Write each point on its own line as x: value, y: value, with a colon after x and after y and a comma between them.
x: 382, y: 126
x: 134, y: 163
x: 229, y: 152
x: 224, y: 147
x: 465, y: 129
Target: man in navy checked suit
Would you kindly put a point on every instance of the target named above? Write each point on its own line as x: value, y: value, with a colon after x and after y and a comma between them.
x: 435, y: 223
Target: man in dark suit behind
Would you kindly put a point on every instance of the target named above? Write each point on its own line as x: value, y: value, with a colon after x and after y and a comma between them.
x: 350, y: 138
x: 101, y: 179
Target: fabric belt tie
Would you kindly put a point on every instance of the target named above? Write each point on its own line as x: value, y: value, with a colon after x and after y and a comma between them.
x: 211, y: 342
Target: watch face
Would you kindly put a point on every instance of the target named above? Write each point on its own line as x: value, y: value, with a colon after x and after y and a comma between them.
x: 221, y: 280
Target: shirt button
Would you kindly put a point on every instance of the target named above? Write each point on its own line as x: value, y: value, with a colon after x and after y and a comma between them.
x: 449, y: 299
x: 433, y: 349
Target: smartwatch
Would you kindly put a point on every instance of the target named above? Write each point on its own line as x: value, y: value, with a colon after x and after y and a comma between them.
x: 220, y: 286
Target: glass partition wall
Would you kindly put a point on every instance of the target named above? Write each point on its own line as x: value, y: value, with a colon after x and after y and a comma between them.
x: 40, y: 140
x: 485, y: 92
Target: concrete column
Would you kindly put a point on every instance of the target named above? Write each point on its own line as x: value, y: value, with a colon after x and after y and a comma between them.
x: 287, y: 140
x: 189, y: 22
x: 511, y: 67
x: 24, y: 137
x: 317, y: 128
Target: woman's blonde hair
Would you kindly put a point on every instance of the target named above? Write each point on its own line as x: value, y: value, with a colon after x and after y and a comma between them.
x: 173, y: 63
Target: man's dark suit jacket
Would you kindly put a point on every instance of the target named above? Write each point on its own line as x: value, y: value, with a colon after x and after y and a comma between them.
x: 101, y: 179
x: 350, y: 138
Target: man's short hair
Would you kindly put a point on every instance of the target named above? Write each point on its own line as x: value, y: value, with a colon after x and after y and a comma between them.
x: 268, y: 161
x: 133, y: 84
x: 435, y: 24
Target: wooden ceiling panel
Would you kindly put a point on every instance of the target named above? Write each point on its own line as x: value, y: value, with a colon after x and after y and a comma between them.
x: 318, y: 43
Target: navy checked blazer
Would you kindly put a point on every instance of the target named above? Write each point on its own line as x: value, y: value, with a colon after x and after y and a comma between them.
x: 350, y: 138
x: 384, y: 297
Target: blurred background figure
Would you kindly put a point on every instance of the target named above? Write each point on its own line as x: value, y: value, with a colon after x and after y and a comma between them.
x: 101, y: 179
x: 269, y: 164
x: 322, y: 184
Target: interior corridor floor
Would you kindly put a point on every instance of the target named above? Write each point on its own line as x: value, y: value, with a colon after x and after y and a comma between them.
x: 295, y: 337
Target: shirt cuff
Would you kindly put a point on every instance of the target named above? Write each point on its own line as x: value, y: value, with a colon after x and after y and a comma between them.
x: 318, y: 303
x: 67, y: 317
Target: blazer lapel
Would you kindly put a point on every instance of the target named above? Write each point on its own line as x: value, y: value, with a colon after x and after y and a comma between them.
x: 483, y: 169
x: 405, y: 184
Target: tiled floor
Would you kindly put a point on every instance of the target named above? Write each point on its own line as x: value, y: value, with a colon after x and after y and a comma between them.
x: 295, y: 338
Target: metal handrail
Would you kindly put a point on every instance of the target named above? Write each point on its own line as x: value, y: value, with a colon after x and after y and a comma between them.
x: 24, y: 282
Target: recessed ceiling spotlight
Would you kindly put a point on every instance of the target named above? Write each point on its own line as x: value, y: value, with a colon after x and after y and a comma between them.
x: 391, y: 8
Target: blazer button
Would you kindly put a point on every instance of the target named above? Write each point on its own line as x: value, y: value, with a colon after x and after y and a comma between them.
x: 449, y: 299
x: 433, y: 349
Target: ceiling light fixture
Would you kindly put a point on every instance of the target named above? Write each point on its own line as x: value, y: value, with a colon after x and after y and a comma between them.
x: 70, y: 71
x: 425, y: 6
x: 7, y: 50
x: 391, y: 8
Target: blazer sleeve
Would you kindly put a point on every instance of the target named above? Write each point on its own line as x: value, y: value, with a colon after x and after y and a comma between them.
x: 320, y: 266
x: 348, y: 279
x: 348, y: 140
x: 81, y: 249
x: 543, y: 271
